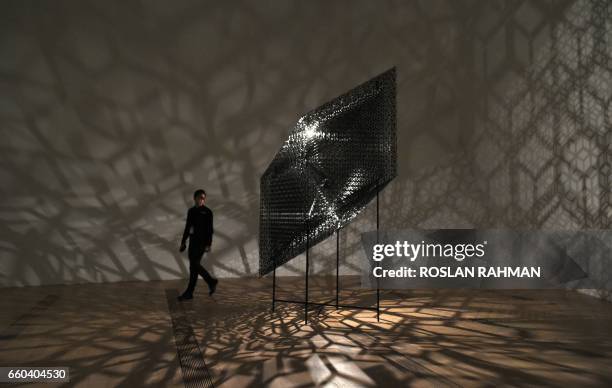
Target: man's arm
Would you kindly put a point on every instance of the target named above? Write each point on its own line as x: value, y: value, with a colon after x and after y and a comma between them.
x: 186, y: 231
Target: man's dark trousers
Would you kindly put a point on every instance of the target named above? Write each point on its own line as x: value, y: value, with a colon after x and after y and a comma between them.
x: 196, y: 251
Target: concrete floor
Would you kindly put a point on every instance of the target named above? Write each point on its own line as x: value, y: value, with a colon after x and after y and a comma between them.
x: 134, y: 334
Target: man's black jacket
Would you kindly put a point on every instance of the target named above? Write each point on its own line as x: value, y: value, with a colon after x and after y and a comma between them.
x: 200, y: 223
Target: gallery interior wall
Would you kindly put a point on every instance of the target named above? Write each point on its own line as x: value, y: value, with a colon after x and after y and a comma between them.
x: 543, y: 142
x: 113, y: 113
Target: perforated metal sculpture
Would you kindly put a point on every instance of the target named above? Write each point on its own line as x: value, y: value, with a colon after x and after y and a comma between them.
x: 333, y: 164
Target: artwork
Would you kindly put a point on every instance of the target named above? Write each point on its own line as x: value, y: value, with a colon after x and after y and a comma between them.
x: 333, y: 164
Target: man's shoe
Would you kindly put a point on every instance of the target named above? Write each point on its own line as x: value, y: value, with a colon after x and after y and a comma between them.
x: 213, y: 287
x: 184, y: 297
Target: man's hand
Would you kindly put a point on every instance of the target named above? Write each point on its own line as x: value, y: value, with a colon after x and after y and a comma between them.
x: 183, y: 247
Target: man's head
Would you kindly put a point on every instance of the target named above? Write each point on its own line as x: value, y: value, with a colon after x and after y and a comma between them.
x: 199, y: 197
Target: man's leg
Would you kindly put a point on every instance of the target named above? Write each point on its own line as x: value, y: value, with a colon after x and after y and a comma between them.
x: 193, y: 278
x: 205, y: 274
x: 194, y: 268
x: 212, y: 282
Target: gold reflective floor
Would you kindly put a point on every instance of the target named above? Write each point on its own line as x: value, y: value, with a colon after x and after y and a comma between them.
x: 121, y: 334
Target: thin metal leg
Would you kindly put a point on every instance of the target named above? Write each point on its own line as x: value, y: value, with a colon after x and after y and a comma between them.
x: 307, y: 268
x: 306, y: 276
x: 274, y: 284
x: 377, y: 301
x: 377, y: 240
x: 337, y: 265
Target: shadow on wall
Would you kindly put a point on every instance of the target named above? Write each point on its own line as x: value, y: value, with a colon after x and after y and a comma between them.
x: 540, y: 155
x: 540, y: 151
x: 113, y: 113
x: 534, y: 143
x: 544, y: 137
x: 544, y: 143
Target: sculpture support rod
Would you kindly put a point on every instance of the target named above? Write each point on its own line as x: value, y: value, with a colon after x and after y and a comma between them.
x: 377, y: 280
x: 307, y: 268
x: 337, y: 265
x: 274, y: 285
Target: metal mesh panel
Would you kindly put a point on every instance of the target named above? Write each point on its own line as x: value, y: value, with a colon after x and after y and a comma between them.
x: 334, y: 162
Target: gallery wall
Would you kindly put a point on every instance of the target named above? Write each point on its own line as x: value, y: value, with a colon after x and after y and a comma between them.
x: 543, y: 142
x: 113, y: 113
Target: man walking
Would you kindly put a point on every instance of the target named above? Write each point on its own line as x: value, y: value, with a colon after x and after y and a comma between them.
x: 199, y: 230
